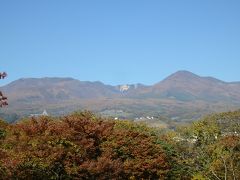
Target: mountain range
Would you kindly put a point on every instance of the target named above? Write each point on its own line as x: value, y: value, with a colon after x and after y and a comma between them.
x: 181, y: 96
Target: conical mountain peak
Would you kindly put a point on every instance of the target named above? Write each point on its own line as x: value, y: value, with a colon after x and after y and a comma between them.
x: 181, y: 76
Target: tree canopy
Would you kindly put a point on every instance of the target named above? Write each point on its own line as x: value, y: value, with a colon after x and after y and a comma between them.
x: 83, y: 145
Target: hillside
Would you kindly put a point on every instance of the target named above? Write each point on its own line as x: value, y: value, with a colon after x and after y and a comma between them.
x: 182, y: 95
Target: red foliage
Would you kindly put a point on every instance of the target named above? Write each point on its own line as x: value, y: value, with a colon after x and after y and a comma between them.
x: 80, y: 146
x: 3, y: 99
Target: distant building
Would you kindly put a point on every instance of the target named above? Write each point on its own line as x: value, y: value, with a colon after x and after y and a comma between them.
x: 44, y: 113
x: 124, y: 88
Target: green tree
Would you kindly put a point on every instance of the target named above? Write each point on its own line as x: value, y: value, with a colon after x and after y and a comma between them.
x: 211, y: 146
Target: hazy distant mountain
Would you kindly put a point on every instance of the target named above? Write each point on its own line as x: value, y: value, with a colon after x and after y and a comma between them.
x: 182, y: 94
x: 186, y: 86
x: 56, y: 89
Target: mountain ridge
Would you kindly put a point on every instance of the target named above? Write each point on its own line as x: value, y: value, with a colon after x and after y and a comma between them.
x: 179, y: 94
x: 177, y: 73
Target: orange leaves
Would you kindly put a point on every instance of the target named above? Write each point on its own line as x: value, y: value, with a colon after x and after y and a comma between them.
x: 230, y: 142
x: 81, y: 145
x: 34, y: 126
x: 141, y: 156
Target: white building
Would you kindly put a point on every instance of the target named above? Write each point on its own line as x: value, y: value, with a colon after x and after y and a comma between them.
x: 44, y: 113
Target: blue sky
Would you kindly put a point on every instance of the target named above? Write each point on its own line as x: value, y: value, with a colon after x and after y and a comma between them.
x: 119, y: 41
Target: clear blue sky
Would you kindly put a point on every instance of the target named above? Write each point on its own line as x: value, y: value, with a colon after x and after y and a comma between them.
x: 119, y: 41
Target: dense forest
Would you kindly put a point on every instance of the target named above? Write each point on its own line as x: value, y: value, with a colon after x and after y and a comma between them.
x: 83, y: 145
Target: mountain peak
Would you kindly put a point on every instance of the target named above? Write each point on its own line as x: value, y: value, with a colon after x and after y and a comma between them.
x: 182, y: 75
x: 177, y: 95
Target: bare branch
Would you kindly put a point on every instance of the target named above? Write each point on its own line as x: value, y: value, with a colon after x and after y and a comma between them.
x: 215, y: 175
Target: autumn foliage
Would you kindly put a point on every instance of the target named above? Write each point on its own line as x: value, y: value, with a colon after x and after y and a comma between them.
x: 80, y: 146
x: 210, y: 148
x: 3, y: 99
x: 85, y: 146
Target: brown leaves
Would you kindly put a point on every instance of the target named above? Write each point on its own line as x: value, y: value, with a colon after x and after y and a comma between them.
x: 230, y: 142
x: 3, y: 99
x: 141, y: 156
x: 3, y: 75
x: 81, y: 145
